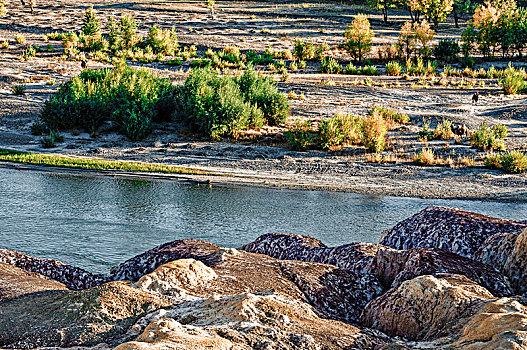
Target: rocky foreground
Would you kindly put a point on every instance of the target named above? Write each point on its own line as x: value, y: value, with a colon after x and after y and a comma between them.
x: 442, y: 279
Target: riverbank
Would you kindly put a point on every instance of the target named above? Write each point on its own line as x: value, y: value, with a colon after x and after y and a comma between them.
x: 273, y: 167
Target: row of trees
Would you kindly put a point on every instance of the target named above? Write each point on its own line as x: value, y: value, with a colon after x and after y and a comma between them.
x: 497, y: 25
x: 435, y: 11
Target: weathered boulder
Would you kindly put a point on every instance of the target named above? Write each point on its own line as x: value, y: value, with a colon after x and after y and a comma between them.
x: 74, y: 318
x: 456, y: 230
x: 73, y: 277
x: 175, y: 276
x: 507, y: 252
x: 389, y: 265
x: 392, y: 267
x: 15, y: 282
x: 167, y: 333
x: 420, y: 308
x: 333, y: 292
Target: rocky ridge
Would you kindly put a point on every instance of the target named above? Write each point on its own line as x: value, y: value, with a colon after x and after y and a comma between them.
x: 285, y: 291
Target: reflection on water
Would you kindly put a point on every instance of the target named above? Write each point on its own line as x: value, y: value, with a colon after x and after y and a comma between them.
x: 97, y: 222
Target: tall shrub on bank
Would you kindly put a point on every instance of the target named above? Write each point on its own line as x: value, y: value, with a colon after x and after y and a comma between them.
x: 123, y: 95
x: 222, y: 105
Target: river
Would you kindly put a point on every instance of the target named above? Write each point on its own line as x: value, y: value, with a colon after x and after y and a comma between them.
x: 97, y: 222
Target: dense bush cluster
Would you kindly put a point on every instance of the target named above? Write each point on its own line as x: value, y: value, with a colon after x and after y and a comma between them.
x: 122, y: 95
x: 121, y: 40
x: 223, y: 105
x: 132, y: 99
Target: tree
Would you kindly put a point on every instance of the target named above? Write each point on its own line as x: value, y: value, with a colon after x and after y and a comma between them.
x: 460, y: 8
x: 383, y: 6
x: 436, y: 10
x: 358, y: 37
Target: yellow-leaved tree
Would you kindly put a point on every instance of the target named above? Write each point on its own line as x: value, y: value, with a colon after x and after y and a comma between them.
x: 358, y: 37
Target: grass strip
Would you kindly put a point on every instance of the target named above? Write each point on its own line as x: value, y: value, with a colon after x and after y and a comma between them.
x: 94, y: 163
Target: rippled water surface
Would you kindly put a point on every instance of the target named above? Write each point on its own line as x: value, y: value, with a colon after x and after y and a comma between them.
x: 97, y: 222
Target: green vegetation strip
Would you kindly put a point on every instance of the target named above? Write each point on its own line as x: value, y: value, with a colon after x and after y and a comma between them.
x: 94, y: 163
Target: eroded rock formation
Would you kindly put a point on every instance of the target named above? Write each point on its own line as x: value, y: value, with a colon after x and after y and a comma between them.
x: 456, y: 230
x: 285, y: 291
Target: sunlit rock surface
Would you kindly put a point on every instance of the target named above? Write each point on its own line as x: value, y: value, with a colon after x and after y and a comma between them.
x: 284, y: 291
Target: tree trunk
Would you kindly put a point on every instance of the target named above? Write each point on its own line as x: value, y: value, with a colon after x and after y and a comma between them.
x: 456, y: 19
x: 385, y: 14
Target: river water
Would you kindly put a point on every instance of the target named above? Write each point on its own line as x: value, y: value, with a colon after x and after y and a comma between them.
x: 97, y: 222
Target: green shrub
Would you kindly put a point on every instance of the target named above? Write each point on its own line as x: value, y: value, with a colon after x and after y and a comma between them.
x: 374, y: 132
x: 162, y: 41
x: 339, y: 130
x: 222, y: 105
x: 30, y: 51
x: 488, y: 138
x: 369, y: 70
x: 447, y: 51
x: 299, y: 136
x: 426, y: 134
x: 262, y: 91
x: 39, y: 128
x: 51, y: 140
x: 259, y: 59
x: 513, y: 162
x: 19, y: 89
x: 330, y: 65
x: 304, y: 51
x: 393, y: 68
x: 121, y: 94
x: 514, y: 82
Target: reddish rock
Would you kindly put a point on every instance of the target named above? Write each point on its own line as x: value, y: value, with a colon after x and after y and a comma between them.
x: 507, y: 252
x: 422, y: 307
x: 456, y: 230
x: 392, y: 267
x: 73, y: 277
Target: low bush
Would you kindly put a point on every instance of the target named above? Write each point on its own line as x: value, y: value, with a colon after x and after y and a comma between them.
x: 339, y: 130
x: 304, y: 51
x: 393, y: 68
x: 489, y: 138
x: 374, y: 132
x: 514, y: 162
x: 259, y: 59
x: 425, y: 157
x: 299, y: 136
x: 330, y: 65
x: 391, y: 116
x: 443, y: 130
x: 162, y: 41
x: 51, y: 140
x: 19, y: 89
x: 514, y: 82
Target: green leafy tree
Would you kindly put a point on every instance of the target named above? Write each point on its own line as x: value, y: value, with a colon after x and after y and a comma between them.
x: 358, y: 37
x: 459, y: 9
